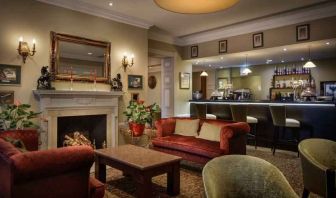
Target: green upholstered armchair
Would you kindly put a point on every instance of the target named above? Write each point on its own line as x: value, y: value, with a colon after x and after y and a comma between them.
x: 240, y: 176
x: 318, y: 159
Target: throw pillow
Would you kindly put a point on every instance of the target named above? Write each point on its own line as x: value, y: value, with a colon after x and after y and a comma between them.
x: 17, y: 143
x: 186, y: 127
x: 210, y: 132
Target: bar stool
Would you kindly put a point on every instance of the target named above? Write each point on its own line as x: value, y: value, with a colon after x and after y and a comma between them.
x: 200, y: 111
x: 239, y: 114
x: 280, y: 121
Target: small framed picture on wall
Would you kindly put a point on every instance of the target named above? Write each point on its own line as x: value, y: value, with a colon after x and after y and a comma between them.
x: 184, y: 80
x: 134, y: 82
x: 10, y: 74
x: 222, y: 46
x: 302, y: 32
x: 194, y: 51
x: 258, y: 40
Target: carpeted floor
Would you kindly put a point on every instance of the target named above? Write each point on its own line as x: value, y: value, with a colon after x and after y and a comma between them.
x: 191, y: 176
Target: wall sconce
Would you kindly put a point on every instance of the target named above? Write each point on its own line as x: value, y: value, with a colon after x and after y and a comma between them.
x: 125, y: 62
x: 24, y: 50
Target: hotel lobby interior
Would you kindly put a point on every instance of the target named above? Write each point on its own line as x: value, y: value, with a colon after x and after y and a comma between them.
x: 167, y: 98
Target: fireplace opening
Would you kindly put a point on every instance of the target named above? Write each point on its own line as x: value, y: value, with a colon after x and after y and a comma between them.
x: 92, y: 127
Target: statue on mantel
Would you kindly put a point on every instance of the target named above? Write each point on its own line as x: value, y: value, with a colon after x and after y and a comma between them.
x: 116, y: 84
x: 44, y: 81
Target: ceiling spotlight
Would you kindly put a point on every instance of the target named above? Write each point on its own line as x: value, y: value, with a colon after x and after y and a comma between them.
x: 282, y: 61
x: 222, y: 57
x: 302, y: 58
x: 111, y: 4
x: 209, y: 65
x: 327, y: 43
x: 90, y: 53
x: 221, y: 67
x: 269, y: 60
x: 284, y: 49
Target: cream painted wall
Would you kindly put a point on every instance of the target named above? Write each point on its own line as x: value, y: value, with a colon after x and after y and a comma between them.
x: 274, y: 37
x: 154, y: 95
x: 181, y: 96
x: 32, y: 19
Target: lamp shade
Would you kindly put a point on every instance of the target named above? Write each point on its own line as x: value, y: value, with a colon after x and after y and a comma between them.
x: 309, y: 64
x: 195, y: 6
x: 246, y: 71
x: 204, y: 73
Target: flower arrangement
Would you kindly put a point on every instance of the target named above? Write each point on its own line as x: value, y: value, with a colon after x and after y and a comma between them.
x: 138, y: 113
x: 17, y: 116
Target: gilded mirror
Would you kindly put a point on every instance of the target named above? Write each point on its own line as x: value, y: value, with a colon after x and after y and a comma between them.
x: 79, y: 58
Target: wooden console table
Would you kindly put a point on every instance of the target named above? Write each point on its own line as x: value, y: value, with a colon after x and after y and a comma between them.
x: 141, y: 164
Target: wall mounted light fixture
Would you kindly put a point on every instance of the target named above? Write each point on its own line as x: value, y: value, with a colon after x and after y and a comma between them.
x: 126, y: 62
x: 24, y: 50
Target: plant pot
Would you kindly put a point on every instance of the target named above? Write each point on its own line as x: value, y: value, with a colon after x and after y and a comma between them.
x: 137, y: 129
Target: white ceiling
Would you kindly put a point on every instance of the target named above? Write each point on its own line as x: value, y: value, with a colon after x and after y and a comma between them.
x: 293, y: 53
x: 146, y: 13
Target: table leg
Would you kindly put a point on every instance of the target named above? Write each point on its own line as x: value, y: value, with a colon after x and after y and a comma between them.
x: 173, y: 180
x: 144, y: 187
x: 100, y: 170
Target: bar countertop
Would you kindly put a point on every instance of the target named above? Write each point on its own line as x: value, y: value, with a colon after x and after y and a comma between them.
x: 268, y: 102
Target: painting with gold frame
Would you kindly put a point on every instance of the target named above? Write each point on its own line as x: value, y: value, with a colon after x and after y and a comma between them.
x: 184, y: 80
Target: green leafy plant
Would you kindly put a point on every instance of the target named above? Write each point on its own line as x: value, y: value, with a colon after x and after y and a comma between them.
x: 17, y: 116
x: 138, y: 113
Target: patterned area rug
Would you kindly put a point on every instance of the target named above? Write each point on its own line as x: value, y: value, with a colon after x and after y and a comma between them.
x: 191, y: 176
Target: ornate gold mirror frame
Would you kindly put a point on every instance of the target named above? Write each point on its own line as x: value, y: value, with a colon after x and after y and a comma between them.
x: 87, y: 73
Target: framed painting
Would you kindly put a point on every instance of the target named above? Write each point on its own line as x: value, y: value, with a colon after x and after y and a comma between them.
x: 302, y: 32
x: 6, y: 97
x: 222, y: 83
x: 222, y: 46
x: 184, y: 80
x: 258, y: 40
x: 194, y: 51
x: 134, y: 82
x: 328, y: 88
x: 10, y: 74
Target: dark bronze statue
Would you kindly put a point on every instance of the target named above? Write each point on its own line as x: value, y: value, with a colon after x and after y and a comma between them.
x: 44, y: 81
x: 116, y: 83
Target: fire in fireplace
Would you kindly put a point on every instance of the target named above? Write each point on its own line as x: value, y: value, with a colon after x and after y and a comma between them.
x: 82, y: 130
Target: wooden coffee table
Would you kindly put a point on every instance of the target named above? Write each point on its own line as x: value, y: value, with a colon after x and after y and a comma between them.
x: 141, y: 164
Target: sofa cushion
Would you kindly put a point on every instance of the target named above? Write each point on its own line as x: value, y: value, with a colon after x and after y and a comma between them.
x: 189, y: 144
x: 186, y: 127
x: 210, y: 132
x: 7, y: 148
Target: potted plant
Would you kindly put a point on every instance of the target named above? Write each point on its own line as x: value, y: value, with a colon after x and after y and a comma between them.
x: 17, y: 117
x: 138, y: 115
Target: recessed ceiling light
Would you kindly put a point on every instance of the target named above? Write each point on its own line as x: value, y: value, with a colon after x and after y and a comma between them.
x: 209, y: 65
x: 90, y: 53
x: 284, y: 49
x: 111, y: 4
x: 327, y: 43
x: 221, y: 67
x: 269, y: 60
x: 222, y: 57
x: 282, y: 61
x: 302, y: 58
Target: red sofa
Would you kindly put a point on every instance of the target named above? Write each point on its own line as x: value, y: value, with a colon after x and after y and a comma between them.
x: 62, y: 172
x: 232, y: 140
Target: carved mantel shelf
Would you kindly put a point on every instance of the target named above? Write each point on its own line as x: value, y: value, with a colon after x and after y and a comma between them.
x: 60, y: 93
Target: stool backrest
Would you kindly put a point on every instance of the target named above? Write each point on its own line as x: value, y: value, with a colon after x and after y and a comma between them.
x: 239, y: 112
x: 278, y: 113
x: 198, y: 111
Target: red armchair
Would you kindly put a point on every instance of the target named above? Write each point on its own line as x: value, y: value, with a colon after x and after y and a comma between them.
x: 62, y: 172
x: 232, y: 140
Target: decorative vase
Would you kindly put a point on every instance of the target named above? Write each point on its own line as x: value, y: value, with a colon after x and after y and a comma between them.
x: 136, y: 129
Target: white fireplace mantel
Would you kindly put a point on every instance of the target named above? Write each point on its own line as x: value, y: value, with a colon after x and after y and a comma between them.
x: 57, y: 103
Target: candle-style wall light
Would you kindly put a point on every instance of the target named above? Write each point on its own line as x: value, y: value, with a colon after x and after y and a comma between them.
x: 125, y: 62
x: 24, y: 50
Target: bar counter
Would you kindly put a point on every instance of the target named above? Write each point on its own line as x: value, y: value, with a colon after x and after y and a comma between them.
x: 319, y: 117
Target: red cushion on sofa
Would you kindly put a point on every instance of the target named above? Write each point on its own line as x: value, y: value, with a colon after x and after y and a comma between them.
x: 7, y: 148
x: 189, y: 144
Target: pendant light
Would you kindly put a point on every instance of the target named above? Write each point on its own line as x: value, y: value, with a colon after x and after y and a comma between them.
x: 246, y: 70
x: 204, y: 73
x: 309, y: 63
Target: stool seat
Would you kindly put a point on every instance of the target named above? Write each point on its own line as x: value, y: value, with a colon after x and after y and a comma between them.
x: 292, y: 122
x: 251, y: 120
x: 211, y: 116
